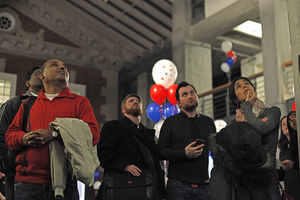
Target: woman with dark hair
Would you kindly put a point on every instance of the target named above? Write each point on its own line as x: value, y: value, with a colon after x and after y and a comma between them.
x: 283, y: 145
x: 289, y: 158
x: 284, y: 137
x: 255, y: 129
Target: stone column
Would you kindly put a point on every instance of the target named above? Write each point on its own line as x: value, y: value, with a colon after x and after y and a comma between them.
x: 192, y: 58
x: 275, y: 48
x: 110, y: 91
x: 143, y: 91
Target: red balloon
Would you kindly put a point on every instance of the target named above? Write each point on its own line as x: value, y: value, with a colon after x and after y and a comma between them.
x: 231, y: 54
x: 158, y: 93
x: 294, y: 107
x: 171, y: 94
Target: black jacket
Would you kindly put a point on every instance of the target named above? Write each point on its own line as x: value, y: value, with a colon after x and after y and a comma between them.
x: 117, y: 150
x: 7, y: 113
x: 240, y: 163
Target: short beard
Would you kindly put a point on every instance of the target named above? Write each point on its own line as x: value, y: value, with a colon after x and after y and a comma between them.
x: 191, y: 107
x: 136, y: 112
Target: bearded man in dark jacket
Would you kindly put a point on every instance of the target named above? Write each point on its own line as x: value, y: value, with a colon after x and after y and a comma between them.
x: 118, y: 152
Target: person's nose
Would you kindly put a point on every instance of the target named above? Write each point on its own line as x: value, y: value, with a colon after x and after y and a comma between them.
x: 62, y: 67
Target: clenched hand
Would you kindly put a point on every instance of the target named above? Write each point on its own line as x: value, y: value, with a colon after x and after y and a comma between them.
x: 37, y: 137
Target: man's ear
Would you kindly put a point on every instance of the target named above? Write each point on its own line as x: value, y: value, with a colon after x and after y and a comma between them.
x: 41, y: 75
x: 179, y: 104
x: 27, y: 83
x: 123, y: 111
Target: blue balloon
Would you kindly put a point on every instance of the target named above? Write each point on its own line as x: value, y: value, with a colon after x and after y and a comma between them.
x: 96, y: 175
x: 170, y: 110
x: 154, y: 112
x: 230, y: 61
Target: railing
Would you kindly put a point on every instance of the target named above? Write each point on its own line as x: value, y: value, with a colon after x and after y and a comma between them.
x: 216, y: 103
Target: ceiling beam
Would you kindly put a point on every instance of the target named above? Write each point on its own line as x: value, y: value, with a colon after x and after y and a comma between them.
x: 127, y: 20
x: 164, y: 5
x: 143, y: 18
x: 114, y: 23
x: 240, y: 42
x: 153, y: 12
x: 225, y: 20
x: 102, y: 28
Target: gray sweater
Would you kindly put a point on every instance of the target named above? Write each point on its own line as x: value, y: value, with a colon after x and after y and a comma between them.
x: 269, y: 129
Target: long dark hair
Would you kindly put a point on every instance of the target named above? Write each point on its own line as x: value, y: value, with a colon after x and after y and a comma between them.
x: 283, y: 141
x: 293, y: 139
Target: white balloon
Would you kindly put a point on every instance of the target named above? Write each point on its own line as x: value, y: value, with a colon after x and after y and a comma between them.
x: 96, y: 185
x: 220, y: 123
x: 164, y: 72
x: 157, y: 127
x: 226, y: 46
x: 225, y: 67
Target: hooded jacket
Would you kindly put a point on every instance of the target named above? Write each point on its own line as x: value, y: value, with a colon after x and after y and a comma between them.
x: 238, y: 155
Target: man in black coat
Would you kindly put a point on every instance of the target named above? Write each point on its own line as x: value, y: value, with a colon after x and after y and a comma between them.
x: 117, y: 150
x: 7, y: 113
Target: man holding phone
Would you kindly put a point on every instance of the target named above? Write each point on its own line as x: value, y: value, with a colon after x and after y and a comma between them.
x: 183, y: 142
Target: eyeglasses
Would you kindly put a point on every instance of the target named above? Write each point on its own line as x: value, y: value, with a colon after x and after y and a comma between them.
x: 292, y: 118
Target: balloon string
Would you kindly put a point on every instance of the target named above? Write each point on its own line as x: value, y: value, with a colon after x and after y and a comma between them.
x: 161, y: 110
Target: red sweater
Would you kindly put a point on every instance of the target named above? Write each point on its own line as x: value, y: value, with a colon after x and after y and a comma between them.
x: 34, y: 162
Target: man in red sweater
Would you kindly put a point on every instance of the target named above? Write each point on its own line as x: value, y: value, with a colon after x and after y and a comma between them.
x: 33, y: 177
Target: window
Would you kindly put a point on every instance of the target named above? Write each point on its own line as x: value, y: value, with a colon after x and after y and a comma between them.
x: 77, y: 88
x: 7, y: 86
x: 198, y: 12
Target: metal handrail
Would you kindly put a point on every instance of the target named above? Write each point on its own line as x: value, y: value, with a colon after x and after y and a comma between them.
x: 216, y: 103
x: 225, y: 86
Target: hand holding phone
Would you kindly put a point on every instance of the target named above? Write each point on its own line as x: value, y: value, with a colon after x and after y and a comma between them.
x: 199, y: 142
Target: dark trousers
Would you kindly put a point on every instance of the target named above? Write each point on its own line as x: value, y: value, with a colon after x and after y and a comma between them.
x: 178, y: 190
x: 9, y: 187
x: 25, y: 191
x: 292, y: 182
x: 262, y: 190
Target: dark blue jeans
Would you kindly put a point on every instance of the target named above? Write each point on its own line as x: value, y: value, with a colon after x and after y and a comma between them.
x: 178, y: 190
x: 25, y: 191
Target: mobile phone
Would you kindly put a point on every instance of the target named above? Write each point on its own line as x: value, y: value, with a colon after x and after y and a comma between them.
x: 199, y: 142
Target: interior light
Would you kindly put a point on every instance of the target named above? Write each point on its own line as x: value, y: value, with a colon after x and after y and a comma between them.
x: 250, y: 27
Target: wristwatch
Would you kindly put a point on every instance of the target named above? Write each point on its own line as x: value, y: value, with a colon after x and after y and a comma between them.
x: 54, y: 134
